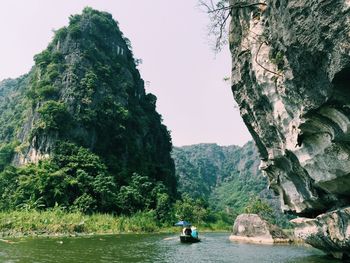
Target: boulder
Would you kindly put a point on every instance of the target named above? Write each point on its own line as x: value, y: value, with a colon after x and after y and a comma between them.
x: 252, y: 228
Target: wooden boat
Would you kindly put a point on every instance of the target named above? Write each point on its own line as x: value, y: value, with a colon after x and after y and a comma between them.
x: 189, y: 239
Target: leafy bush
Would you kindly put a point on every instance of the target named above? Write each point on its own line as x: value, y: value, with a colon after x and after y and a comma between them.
x: 142, y: 194
x: 43, y: 58
x: 48, y: 92
x: 6, y: 153
x: 73, y: 178
x: 260, y: 207
x: 60, y: 34
x: 193, y: 210
x: 53, y: 116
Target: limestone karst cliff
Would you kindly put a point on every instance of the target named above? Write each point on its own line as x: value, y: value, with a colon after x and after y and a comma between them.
x: 200, y: 168
x: 85, y: 93
x: 291, y: 77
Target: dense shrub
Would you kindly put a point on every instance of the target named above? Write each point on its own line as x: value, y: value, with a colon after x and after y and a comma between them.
x: 73, y: 178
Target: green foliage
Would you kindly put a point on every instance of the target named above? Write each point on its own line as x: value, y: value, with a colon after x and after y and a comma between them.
x: 49, y: 67
x: 7, y: 151
x: 140, y: 222
x: 111, y: 114
x: 43, y: 59
x: 163, y: 207
x: 75, y: 31
x: 144, y: 194
x: 232, y: 196
x: 53, y: 116
x: 77, y: 179
x: 277, y: 58
x: 189, y: 209
x: 227, y: 177
x: 204, y: 168
x: 13, y: 106
x: 85, y: 90
x: 135, y: 196
x: 60, y: 34
x: 198, y: 168
x: 260, y: 207
x: 74, y: 178
x: 48, y: 91
x: 58, y: 221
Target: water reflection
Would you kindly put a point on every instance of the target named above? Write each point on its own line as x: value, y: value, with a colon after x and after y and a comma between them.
x: 214, y: 247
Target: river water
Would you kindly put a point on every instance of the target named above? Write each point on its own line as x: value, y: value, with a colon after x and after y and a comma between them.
x: 215, y: 247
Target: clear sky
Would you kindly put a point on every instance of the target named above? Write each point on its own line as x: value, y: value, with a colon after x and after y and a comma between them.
x: 170, y: 37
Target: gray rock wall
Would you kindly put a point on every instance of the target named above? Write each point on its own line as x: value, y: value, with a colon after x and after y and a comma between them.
x: 291, y: 80
x: 290, y: 77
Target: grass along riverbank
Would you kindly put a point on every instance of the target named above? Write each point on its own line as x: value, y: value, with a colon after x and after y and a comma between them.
x: 57, y: 222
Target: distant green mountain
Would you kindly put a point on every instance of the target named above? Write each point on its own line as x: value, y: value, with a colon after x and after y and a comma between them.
x: 227, y: 177
x: 202, y: 168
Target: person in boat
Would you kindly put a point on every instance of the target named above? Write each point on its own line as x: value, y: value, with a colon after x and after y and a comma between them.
x: 187, y: 231
x: 194, y: 232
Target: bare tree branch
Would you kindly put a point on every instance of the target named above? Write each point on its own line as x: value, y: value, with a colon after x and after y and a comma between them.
x: 222, y: 28
x: 230, y: 7
x: 219, y: 13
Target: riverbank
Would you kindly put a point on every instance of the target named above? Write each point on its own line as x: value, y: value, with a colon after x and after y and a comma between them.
x: 57, y: 222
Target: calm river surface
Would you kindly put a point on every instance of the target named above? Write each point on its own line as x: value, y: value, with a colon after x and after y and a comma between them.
x: 152, y: 248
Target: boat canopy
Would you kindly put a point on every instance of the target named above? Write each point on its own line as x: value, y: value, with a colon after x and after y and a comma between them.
x: 183, y: 223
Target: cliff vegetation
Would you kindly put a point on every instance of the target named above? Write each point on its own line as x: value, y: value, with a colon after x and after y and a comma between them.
x: 79, y: 132
x: 227, y: 181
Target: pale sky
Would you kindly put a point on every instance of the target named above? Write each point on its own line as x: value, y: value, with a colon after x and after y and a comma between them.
x: 169, y: 36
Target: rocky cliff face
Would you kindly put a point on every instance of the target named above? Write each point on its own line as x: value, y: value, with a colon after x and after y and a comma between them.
x: 291, y: 77
x: 89, y: 71
x: 85, y: 89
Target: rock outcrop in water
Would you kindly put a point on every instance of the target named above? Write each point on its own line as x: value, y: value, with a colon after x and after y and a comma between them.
x: 252, y: 228
x: 329, y: 232
x: 291, y: 77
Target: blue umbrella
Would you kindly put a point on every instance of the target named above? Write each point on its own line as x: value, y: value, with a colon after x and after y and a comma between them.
x: 183, y: 223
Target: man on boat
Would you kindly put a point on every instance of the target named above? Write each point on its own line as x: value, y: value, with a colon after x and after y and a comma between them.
x: 194, y: 232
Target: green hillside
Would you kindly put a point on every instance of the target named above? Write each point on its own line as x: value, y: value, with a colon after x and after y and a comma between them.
x: 226, y: 179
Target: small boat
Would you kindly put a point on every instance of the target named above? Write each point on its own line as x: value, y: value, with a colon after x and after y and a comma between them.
x: 189, y: 234
x: 189, y: 239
